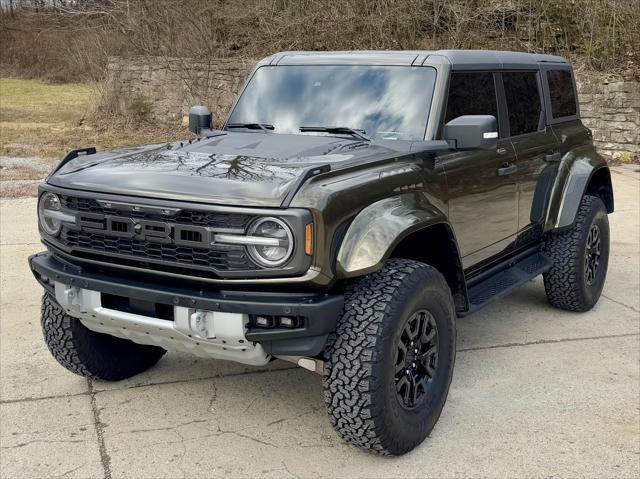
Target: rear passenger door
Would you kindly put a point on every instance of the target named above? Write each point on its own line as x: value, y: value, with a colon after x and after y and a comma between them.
x: 536, y: 148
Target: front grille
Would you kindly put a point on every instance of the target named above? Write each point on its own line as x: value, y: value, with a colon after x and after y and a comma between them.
x: 219, y: 257
x: 189, y: 217
x: 222, y: 258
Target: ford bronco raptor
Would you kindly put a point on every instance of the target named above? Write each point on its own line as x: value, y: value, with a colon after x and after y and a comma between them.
x: 350, y: 208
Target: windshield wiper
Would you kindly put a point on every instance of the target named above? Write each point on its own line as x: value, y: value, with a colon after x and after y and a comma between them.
x: 360, y: 134
x: 252, y: 126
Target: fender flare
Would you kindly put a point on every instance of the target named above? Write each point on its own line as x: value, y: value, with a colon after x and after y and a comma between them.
x: 378, y: 228
x: 574, y: 177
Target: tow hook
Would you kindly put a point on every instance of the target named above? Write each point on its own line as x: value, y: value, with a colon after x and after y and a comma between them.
x: 226, y: 329
x: 200, y: 325
x: 72, y: 297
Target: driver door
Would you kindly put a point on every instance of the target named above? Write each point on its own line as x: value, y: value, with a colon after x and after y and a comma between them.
x: 482, y: 192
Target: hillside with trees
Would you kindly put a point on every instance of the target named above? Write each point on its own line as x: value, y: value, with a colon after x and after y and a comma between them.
x: 69, y: 40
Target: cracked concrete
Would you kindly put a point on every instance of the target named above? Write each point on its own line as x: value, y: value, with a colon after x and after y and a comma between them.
x: 536, y: 392
x: 50, y: 437
x: 105, y: 459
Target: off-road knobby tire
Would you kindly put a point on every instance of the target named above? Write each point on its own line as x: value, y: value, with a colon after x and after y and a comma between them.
x: 358, y: 379
x: 565, y: 282
x: 91, y: 354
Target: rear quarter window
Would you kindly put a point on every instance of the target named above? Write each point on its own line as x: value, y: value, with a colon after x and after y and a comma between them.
x: 561, y: 93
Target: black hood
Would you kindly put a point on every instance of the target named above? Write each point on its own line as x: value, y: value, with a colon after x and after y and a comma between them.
x: 247, y: 169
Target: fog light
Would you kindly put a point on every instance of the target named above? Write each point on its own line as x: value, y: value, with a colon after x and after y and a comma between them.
x: 287, y: 322
x: 265, y: 321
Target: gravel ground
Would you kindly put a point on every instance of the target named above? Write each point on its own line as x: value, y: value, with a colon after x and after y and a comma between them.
x: 20, y: 177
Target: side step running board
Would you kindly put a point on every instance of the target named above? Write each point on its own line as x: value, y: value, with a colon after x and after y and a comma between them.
x: 502, y: 280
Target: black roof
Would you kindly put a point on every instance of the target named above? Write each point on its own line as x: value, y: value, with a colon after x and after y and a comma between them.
x: 459, y: 59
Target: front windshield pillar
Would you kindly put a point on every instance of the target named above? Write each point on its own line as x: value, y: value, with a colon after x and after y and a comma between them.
x: 435, y: 125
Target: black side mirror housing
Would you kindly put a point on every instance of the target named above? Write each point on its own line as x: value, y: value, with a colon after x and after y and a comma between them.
x: 473, y: 132
x: 199, y: 118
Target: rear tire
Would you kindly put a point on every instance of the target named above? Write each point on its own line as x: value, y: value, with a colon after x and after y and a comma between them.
x: 90, y: 354
x: 392, y: 323
x: 580, y: 258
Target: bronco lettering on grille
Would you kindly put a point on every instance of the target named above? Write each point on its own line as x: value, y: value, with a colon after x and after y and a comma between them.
x: 147, y: 230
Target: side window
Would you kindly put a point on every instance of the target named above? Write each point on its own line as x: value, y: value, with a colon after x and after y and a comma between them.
x: 563, y: 98
x: 471, y: 94
x: 523, y: 101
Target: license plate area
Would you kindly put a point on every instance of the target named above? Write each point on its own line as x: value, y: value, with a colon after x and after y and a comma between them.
x: 138, y: 306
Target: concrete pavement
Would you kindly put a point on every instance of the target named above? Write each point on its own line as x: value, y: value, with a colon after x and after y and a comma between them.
x: 536, y: 392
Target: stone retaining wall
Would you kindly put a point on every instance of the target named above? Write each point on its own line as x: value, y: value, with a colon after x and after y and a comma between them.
x: 612, y: 110
x: 171, y: 85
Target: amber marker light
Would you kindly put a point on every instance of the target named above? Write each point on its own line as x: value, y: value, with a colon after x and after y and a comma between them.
x: 308, y: 239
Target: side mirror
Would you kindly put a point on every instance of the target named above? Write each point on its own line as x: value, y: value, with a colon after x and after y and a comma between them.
x: 473, y: 132
x: 199, y: 118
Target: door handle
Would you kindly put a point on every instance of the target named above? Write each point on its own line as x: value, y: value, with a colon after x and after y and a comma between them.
x: 507, y: 169
x: 552, y: 157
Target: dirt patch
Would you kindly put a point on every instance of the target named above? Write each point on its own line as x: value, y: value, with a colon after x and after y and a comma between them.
x: 21, y: 176
x: 28, y: 168
x: 18, y: 188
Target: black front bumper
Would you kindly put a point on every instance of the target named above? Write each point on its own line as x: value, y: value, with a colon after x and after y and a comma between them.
x: 320, y: 311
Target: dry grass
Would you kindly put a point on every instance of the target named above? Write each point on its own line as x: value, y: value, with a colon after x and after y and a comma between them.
x: 34, y: 102
x: 44, y: 120
x: 40, y: 123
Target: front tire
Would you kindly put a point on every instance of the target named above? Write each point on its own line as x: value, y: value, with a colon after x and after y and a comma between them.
x: 580, y: 257
x: 389, y: 364
x: 90, y: 354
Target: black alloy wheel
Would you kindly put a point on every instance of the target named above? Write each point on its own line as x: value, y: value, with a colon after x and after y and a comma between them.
x: 592, y: 254
x: 416, y: 358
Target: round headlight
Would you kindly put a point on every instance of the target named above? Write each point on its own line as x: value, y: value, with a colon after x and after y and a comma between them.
x: 278, y: 242
x: 49, y: 203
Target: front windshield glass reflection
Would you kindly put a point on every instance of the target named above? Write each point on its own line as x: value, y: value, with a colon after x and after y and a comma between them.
x: 386, y: 102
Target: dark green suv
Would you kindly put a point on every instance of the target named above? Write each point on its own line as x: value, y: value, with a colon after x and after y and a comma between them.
x: 353, y: 205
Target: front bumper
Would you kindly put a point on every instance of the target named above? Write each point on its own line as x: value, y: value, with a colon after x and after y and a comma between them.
x: 81, y: 292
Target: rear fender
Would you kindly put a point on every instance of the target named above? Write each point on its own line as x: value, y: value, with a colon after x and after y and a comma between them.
x: 582, y: 170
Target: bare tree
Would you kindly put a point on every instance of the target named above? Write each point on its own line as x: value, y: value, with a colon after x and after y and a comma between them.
x: 77, y: 37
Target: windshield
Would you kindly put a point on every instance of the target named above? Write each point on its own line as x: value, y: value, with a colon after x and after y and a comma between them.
x: 385, y: 102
